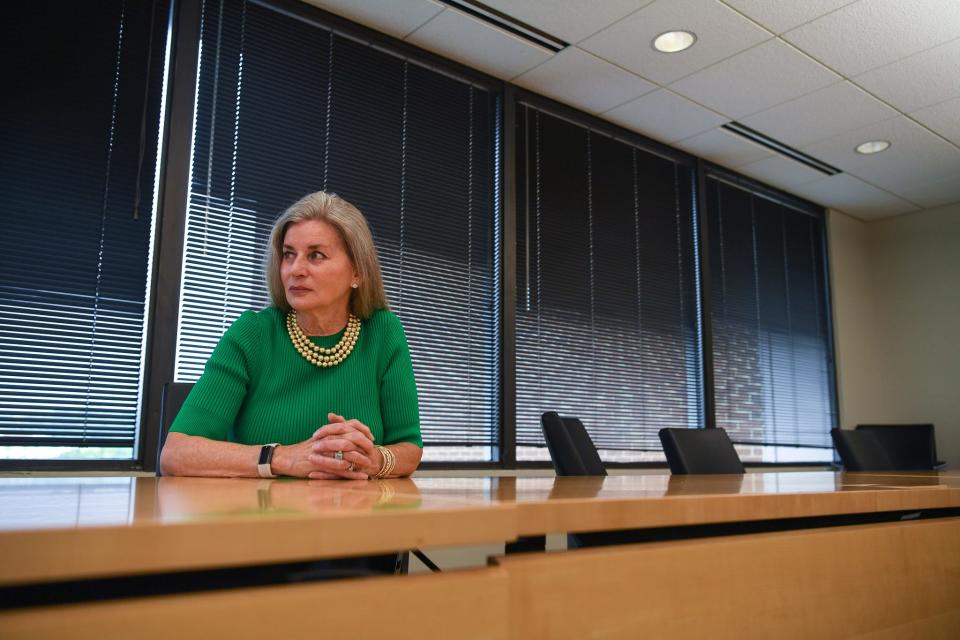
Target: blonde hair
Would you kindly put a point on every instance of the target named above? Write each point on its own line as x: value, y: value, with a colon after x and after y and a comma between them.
x: 357, y: 239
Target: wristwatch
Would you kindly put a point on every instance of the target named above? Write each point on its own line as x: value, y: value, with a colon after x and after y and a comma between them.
x: 263, y: 465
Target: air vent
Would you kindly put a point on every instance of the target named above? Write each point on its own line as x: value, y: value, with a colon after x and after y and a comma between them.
x: 507, y: 23
x: 782, y: 149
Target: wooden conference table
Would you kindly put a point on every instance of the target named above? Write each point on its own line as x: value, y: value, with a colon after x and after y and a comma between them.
x: 838, y: 571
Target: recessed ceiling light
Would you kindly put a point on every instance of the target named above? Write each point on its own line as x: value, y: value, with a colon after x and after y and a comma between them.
x: 674, y: 41
x: 874, y: 146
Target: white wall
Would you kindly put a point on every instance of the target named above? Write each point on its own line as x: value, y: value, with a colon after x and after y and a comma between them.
x: 896, y: 292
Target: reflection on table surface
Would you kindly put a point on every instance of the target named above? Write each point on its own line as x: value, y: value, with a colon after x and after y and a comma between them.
x: 538, y: 489
x: 70, y: 502
x: 66, y: 502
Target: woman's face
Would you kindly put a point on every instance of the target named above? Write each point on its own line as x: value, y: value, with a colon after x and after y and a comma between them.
x: 314, y: 267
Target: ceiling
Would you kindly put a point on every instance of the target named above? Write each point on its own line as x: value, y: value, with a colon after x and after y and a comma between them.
x: 819, y: 75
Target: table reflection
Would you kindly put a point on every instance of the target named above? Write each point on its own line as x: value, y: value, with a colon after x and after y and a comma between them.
x: 32, y: 503
x: 187, y: 499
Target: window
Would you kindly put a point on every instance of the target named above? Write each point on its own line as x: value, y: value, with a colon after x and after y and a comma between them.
x: 286, y: 107
x: 81, y: 120
x: 607, y: 311
x: 772, y: 353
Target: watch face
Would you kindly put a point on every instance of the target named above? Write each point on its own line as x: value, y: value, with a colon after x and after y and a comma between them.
x: 266, y: 454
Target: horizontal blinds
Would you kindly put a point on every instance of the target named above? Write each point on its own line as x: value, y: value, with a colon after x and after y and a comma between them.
x: 607, y: 326
x: 80, y: 119
x: 286, y: 107
x: 771, y: 349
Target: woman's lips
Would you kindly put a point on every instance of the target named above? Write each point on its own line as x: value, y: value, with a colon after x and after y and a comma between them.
x: 298, y: 290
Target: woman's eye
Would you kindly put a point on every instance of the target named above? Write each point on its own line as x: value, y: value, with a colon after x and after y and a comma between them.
x: 287, y: 255
x: 316, y: 255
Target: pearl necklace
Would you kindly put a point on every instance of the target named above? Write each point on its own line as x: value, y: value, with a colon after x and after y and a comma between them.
x: 318, y: 355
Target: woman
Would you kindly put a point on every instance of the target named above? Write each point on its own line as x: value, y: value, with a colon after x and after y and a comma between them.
x: 319, y: 384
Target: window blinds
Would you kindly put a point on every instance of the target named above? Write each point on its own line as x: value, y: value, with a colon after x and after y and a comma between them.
x: 80, y: 120
x: 286, y: 107
x: 607, y: 309
x: 771, y: 345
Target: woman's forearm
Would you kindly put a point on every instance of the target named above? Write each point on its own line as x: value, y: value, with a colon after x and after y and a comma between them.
x: 185, y: 455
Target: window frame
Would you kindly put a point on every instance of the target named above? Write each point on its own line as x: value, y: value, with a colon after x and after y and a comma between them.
x: 173, y: 207
x: 168, y: 17
x: 800, y: 205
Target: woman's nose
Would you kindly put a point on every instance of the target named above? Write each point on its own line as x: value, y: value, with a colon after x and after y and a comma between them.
x: 298, y: 267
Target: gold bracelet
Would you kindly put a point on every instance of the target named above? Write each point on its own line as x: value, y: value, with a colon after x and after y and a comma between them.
x: 393, y: 462
x: 385, y: 466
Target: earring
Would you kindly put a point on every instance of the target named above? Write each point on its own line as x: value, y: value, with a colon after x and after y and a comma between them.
x: 355, y: 285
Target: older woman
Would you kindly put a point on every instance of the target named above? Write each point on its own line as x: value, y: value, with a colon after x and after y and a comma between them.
x: 319, y: 384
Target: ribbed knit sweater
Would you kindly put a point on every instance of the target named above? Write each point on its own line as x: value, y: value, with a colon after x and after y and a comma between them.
x: 256, y: 388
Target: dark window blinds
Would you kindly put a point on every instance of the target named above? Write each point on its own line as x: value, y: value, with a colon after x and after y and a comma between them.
x: 607, y: 311
x: 286, y: 107
x: 771, y: 346
x: 80, y: 119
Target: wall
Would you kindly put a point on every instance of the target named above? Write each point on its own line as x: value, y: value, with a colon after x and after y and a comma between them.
x: 896, y: 288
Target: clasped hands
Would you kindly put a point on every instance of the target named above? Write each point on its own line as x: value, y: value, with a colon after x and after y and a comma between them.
x: 315, y: 457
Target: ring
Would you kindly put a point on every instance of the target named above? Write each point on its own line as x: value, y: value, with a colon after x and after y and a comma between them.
x: 350, y: 468
x: 338, y: 455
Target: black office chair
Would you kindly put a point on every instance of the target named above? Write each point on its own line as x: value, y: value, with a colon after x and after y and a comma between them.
x: 172, y: 397
x: 571, y: 448
x: 909, y: 446
x: 700, y: 451
x: 861, y: 450
x: 573, y: 454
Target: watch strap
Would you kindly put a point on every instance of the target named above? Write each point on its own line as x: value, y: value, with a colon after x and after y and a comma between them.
x: 263, y: 464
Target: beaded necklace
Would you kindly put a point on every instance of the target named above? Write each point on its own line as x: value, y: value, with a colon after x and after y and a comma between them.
x: 321, y: 356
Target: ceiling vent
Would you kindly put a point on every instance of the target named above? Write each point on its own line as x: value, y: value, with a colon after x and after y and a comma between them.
x: 507, y: 23
x: 781, y: 148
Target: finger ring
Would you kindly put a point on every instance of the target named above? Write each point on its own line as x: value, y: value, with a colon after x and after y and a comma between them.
x: 338, y: 455
x: 350, y: 468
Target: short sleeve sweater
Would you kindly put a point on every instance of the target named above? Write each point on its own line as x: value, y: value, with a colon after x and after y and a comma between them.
x: 256, y: 388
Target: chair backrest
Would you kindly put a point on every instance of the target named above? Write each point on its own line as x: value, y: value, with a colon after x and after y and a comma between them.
x: 571, y: 448
x: 910, y: 446
x: 171, y: 399
x: 861, y: 450
x: 700, y: 451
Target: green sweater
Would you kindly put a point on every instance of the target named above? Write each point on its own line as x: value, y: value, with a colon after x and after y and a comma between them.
x: 256, y: 388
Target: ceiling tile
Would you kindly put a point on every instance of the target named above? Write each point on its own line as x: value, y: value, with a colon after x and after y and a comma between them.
x: 757, y: 79
x: 923, y: 79
x: 944, y: 118
x: 570, y: 20
x: 933, y: 193
x: 721, y: 32
x: 398, y: 19
x: 465, y: 39
x: 854, y: 197
x: 871, y: 33
x: 780, y: 15
x: 821, y: 114
x: 665, y: 116
x: 914, y: 155
x: 724, y: 148
x: 780, y: 172
x: 584, y: 81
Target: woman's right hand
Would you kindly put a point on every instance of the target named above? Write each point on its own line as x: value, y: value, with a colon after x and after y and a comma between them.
x: 301, y: 460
